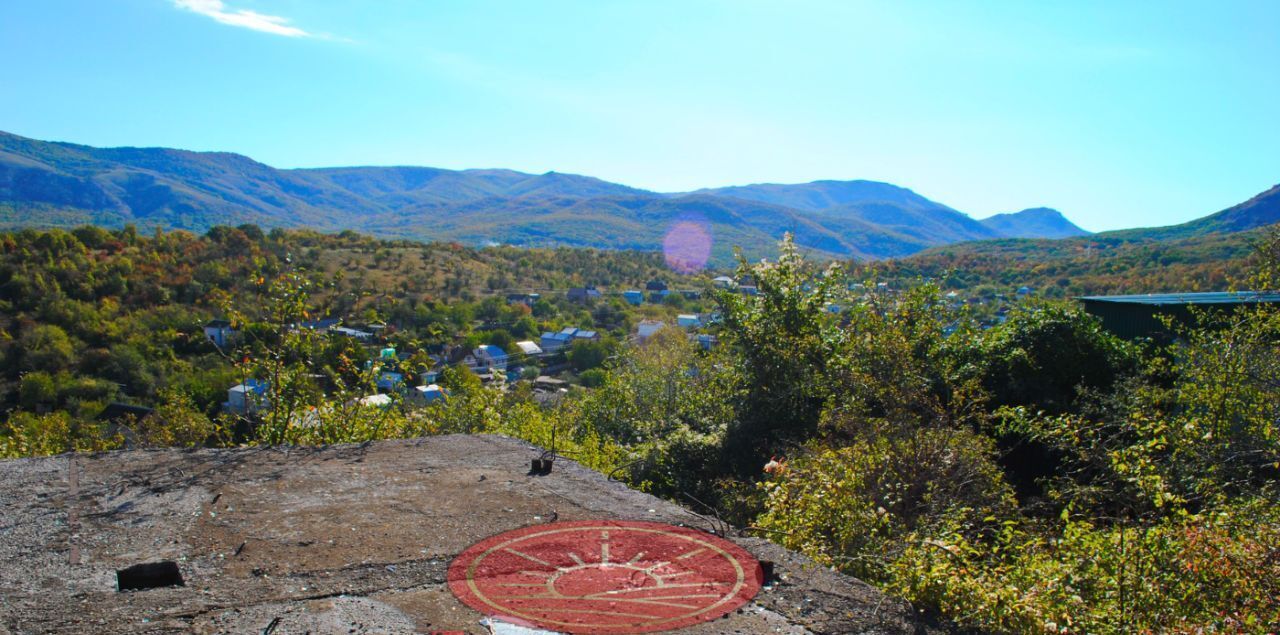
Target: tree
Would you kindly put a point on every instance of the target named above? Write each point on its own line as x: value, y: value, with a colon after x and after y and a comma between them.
x: 47, y: 347
x: 585, y: 355
x: 785, y: 339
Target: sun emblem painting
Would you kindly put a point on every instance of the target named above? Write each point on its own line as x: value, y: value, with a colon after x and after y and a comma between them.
x: 602, y: 577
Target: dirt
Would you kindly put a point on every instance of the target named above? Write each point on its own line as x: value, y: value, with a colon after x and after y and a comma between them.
x: 339, y: 539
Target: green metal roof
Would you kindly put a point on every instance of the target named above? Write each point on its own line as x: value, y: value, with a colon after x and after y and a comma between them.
x: 1159, y: 299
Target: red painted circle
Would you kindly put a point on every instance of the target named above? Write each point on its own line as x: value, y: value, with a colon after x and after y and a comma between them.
x: 604, y: 576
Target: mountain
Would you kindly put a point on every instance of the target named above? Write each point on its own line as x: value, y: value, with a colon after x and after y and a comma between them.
x: 54, y: 183
x: 894, y: 208
x: 1037, y: 222
x: 1259, y: 211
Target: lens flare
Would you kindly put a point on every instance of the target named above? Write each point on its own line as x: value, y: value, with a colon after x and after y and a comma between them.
x: 687, y: 245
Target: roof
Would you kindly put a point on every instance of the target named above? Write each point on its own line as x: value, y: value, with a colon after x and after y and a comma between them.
x: 376, y: 400
x: 528, y: 348
x: 319, y: 324
x: 217, y: 324
x: 249, y: 385
x: 116, y: 411
x: 342, y: 330
x: 584, y: 334
x: 1162, y: 299
x: 648, y: 327
x: 491, y: 350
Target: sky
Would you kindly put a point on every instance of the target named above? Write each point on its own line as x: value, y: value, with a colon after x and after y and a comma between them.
x: 1119, y: 114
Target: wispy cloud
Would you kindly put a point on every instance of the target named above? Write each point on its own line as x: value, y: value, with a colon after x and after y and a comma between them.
x: 245, y: 18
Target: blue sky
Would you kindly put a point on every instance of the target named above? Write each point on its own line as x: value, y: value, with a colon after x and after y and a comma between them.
x: 1119, y: 114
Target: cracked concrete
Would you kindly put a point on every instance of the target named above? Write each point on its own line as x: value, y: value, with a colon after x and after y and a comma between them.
x: 339, y: 539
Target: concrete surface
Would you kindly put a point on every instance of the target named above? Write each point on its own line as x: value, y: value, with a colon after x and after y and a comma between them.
x: 339, y: 539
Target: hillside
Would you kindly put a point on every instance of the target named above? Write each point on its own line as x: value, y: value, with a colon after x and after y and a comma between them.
x: 1108, y: 263
x: 1037, y: 222
x: 64, y: 184
x: 1259, y: 211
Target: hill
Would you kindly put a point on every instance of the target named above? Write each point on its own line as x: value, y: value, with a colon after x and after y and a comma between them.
x: 1108, y: 263
x: 64, y: 184
x: 1259, y: 211
x: 1037, y: 222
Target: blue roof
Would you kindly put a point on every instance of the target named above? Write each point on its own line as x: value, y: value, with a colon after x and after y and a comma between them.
x: 584, y: 334
x: 492, y: 350
x: 1219, y: 297
x: 569, y: 330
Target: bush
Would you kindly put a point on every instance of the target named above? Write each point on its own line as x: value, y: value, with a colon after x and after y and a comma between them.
x: 859, y: 507
x: 593, y: 378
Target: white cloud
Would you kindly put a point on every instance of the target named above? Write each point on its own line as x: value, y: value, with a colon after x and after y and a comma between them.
x: 217, y: 10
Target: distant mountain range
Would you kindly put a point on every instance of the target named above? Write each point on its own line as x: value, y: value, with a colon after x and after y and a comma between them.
x: 57, y: 184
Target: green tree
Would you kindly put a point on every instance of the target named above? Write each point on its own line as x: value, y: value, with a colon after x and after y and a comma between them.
x: 784, y: 338
x: 47, y: 347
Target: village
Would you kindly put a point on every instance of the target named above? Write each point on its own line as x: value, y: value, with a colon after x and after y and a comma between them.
x: 556, y: 361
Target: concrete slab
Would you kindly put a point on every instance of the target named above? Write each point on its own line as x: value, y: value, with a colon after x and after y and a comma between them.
x: 339, y: 539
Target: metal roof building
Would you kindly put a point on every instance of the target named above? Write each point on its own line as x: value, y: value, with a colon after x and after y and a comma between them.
x: 1133, y: 316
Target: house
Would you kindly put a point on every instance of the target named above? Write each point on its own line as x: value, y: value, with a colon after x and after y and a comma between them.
x: 552, y: 342
x: 646, y: 328
x: 707, y: 342
x: 319, y: 325
x: 1024, y: 290
x: 527, y: 299
x: 379, y: 400
x: 491, y: 357
x: 655, y: 285
x: 549, y: 384
x: 423, y: 395
x: 390, y: 381
x: 633, y: 297
x: 583, y: 294
x: 528, y: 348
x: 748, y: 289
x: 246, y: 397
x: 219, y: 332
x: 1132, y: 316
x: 688, y: 321
x: 363, y: 336
x: 722, y: 282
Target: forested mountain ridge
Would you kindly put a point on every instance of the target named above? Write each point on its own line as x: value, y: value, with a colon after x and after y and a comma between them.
x: 1259, y: 211
x: 64, y: 184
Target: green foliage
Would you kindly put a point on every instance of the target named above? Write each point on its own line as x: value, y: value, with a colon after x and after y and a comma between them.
x: 862, y: 505
x: 1090, y: 265
x: 585, y: 355
x: 785, y: 340
x: 1208, y: 573
x: 593, y: 378
x: 26, y: 434
x: 1043, y: 357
